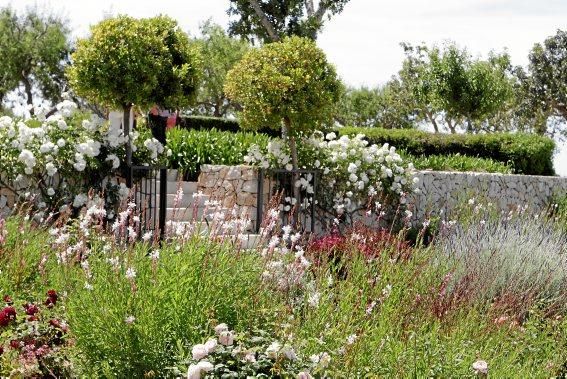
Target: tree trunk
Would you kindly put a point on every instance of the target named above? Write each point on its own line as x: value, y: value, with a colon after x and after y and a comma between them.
x: 291, y: 139
x: 451, y: 126
x: 28, y: 90
x: 295, y: 176
x: 217, y: 108
x: 264, y: 20
x: 126, y: 129
x: 432, y: 119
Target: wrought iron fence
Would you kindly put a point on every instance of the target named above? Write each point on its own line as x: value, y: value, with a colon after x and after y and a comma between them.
x: 293, y: 192
x: 148, y: 184
x: 149, y: 192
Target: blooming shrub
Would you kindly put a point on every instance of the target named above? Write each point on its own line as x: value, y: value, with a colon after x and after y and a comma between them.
x: 231, y: 355
x: 60, y: 158
x: 33, y: 339
x: 352, y: 170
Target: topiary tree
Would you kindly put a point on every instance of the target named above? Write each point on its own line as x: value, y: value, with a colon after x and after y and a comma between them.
x: 288, y: 82
x: 143, y: 62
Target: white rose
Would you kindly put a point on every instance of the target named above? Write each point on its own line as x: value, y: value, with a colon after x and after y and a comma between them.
x: 226, y: 338
x: 199, y: 352
x: 211, y: 345
x: 221, y: 328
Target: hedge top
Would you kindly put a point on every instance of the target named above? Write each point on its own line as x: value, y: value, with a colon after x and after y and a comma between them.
x: 528, y: 154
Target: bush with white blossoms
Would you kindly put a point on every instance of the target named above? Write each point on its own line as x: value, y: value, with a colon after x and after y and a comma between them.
x: 231, y: 355
x: 352, y: 171
x: 59, y: 158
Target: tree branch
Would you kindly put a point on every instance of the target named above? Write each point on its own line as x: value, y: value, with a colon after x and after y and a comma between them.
x: 264, y: 20
x: 309, y: 7
x: 321, y: 11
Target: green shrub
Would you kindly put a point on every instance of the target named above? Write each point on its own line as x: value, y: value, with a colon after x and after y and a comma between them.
x: 527, y: 153
x: 192, y: 148
x: 218, y: 123
x: 457, y: 162
x: 170, y: 304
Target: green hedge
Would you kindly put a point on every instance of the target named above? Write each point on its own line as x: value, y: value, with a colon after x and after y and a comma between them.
x: 527, y: 154
x: 192, y: 148
x: 457, y: 162
x: 218, y: 123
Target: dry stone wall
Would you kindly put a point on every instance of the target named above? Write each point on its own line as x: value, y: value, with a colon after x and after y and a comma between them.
x: 237, y: 187
x: 444, y: 190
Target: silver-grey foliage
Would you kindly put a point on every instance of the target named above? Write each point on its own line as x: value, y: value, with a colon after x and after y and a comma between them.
x: 521, y: 257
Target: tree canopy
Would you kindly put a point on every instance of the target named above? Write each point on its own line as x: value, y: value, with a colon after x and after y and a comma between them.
x: 220, y: 53
x: 383, y: 106
x: 35, y: 50
x: 144, y: 62
x: 447, y: 86
x: 288, y: 81
x: 545, y: 83
x: 271, y: 20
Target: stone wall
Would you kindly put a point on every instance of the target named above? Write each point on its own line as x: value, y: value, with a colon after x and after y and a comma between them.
x: 237, y: 186
x: 444, y: 190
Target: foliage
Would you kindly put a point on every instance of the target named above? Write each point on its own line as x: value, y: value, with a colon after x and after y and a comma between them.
x: 192, y: 148
x: 219, y: 53
x: 447, y: 85
x: 353, y: 173
x: 256, y: 354
x: 457, y: 162
x: 527, y: 154
x: 206, y: 123
x: 143, y: 62
x: 269, y: 21
x: 59, y: 158
x: 388, y: 316
x: 495, y: 261
x: 219, y: 123
x: 545, y: 87
x: 374, y: 107
x: 35, y: 51
x: 288, y: 80
x: 37, y: 338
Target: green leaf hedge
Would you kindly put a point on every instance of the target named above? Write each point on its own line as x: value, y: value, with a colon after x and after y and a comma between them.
x: 527, y: 154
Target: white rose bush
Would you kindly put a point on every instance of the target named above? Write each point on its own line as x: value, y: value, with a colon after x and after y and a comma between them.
x: 56, y: 161
x: 353, y: 174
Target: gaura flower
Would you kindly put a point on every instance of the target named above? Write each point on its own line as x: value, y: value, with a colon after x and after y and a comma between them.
x: 480, y: 367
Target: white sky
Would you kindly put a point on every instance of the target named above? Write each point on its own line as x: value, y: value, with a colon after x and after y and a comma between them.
x: 363, y: 41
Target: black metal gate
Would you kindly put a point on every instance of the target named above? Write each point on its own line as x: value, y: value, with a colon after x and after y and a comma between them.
x: 149, y: 192
x: 293, y: 192
x: 148, y: 184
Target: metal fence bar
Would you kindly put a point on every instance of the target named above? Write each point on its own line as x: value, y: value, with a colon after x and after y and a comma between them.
x: 260, y: 200
x: 162, y: 202
x: 282, y: 181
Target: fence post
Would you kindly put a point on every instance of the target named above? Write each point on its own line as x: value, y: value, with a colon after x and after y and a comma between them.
x: 162, y: 202
x: 260, y: 199
x: 313, y: 199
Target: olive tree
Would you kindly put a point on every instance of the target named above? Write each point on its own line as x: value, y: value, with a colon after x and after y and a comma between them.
x: 287, y: 83
x: 141, y: 62
x: 35, y: 49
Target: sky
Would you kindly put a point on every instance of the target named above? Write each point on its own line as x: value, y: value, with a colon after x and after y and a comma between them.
x: 363, y: 42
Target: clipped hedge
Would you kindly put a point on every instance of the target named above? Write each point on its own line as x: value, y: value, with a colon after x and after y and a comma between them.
x: 218, y: 123
x: 527, y: 154
x: 457, y: 162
